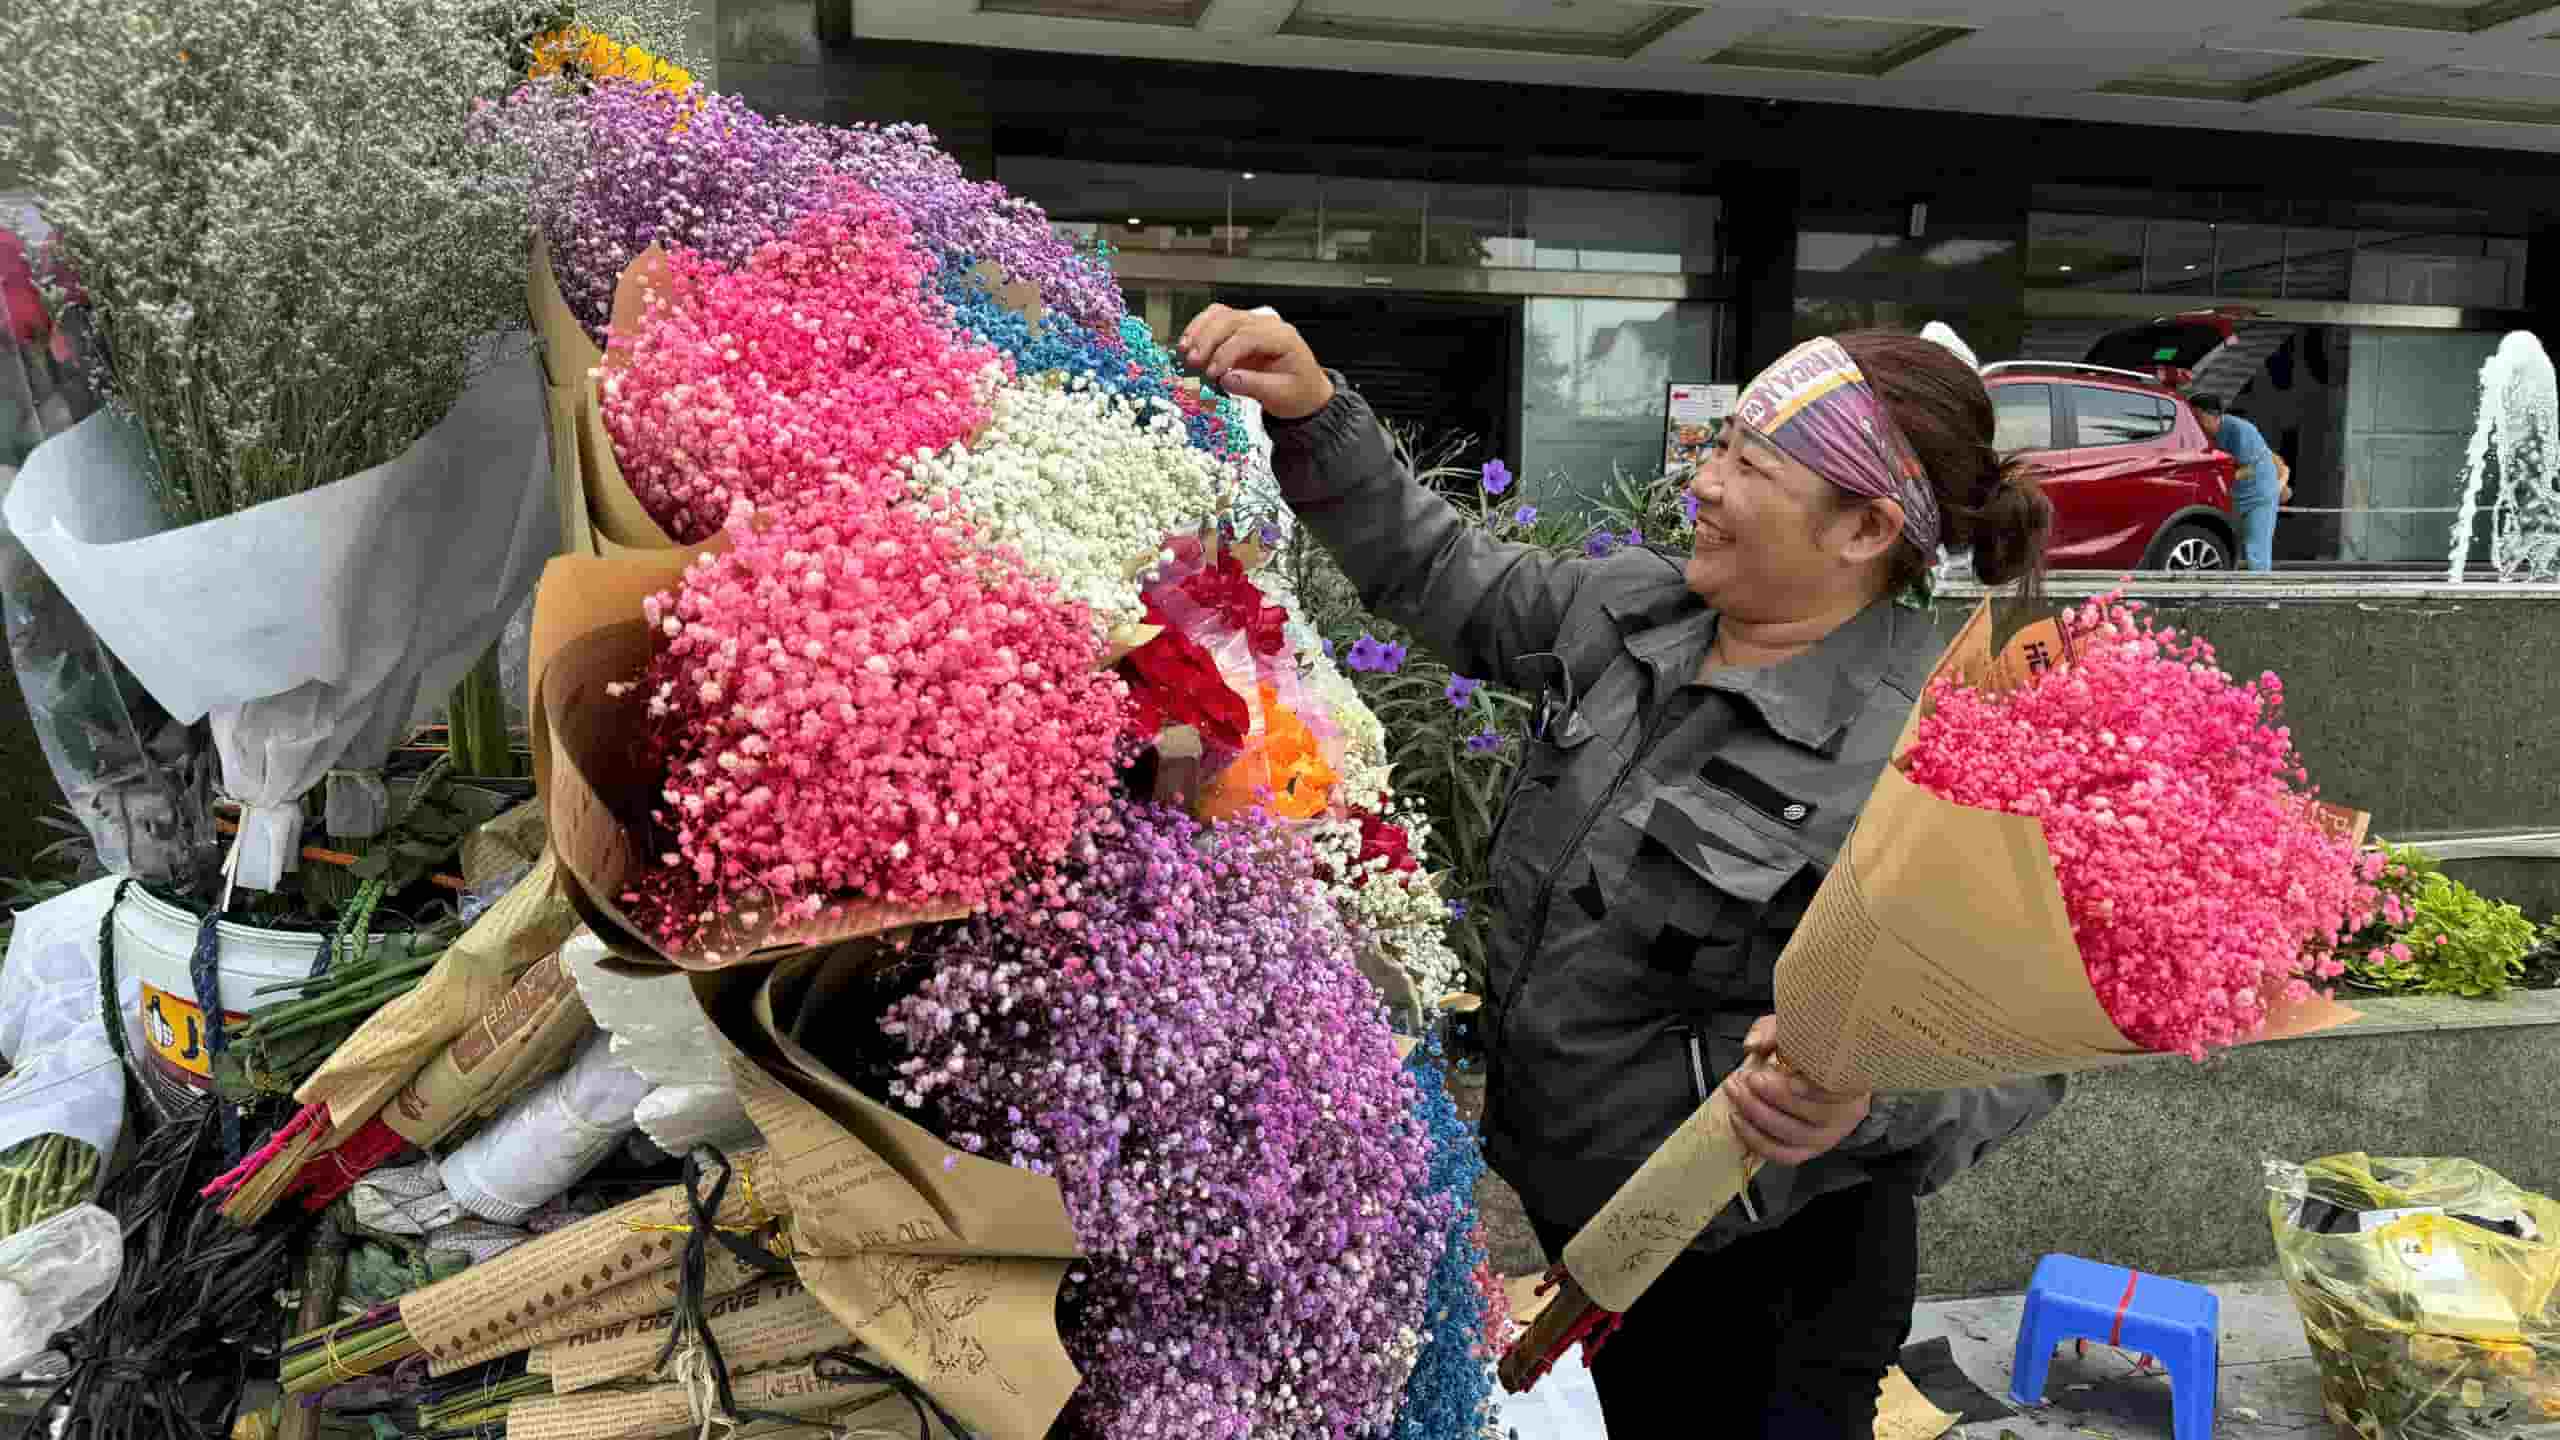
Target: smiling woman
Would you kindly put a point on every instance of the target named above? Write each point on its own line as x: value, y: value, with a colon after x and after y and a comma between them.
x: 1706, y: 734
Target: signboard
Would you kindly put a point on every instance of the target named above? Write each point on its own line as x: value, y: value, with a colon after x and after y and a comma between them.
x: 1691, y: 415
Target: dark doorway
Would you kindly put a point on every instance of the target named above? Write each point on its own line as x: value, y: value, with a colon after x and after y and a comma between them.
x: 1441, y: 364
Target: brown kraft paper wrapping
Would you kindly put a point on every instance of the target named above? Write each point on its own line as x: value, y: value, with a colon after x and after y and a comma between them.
x: 598, y: 784
x: 657, y: 1410
x: 535, y: 1028
x: 944, y: 1265
x: 531, y: 920
x: 524, y: 1287
x: 771, y: 1322
x: 642, y: 1295
x: 569, y: 360
x: 1936, y: 955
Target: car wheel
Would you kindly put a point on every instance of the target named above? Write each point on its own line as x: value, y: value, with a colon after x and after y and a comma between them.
x: 2191, y: 549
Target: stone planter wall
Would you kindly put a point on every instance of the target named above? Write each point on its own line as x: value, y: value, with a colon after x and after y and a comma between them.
x: 2156, y: 1165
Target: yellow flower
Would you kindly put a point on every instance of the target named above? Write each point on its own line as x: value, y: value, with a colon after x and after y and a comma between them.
x: 579, y: 53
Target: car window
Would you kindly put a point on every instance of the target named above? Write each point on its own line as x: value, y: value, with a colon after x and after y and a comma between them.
x: 2119, y: 417
x: 2022, y: 417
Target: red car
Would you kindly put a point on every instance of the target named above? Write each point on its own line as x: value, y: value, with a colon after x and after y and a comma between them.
x: 2135, y: 484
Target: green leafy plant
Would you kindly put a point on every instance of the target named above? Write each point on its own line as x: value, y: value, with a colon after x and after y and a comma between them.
x: 2455, y: 942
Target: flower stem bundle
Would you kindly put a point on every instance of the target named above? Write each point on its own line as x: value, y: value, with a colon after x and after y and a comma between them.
x: 43, y: 1176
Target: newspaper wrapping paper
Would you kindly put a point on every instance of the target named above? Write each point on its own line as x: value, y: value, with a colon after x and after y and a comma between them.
x: 313, y: 629
x: 529, y: 921
x: 865, y: 1407
x: 505, y: 1299
x: 1936, y: 955
x: 548, y: 1137
x: 644, y: 1294
x: 660, y: 1032
x: 771, y: 1322
x: 534, y: 1029
x: 944, y: 1265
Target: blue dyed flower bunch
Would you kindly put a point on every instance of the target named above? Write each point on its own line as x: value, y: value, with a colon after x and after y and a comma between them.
x: 1451, y: 1393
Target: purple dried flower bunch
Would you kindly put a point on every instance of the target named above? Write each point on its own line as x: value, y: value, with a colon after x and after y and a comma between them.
x: 1173, y: 1023
x: 621, y: 165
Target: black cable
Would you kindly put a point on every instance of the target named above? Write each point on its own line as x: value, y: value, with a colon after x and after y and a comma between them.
x: 855, y: 1366
x: 166, y: 1357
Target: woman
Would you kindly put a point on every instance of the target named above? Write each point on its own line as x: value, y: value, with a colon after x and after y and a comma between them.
x: 1705, y: 735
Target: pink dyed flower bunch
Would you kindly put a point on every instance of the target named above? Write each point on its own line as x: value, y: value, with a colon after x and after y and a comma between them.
x: 1174, y: 1024
x: 861, y: 702
x: 821, y: 364
x: 2199, y: 881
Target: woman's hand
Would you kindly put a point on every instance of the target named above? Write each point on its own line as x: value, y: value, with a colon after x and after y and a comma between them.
x: 1780, y: 1115
x: 1261, y: 357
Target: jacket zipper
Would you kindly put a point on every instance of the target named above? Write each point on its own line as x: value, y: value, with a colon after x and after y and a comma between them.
x: 1547, y: 886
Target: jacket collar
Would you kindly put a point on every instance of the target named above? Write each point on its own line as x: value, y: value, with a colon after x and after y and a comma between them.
x: 1810, y: 700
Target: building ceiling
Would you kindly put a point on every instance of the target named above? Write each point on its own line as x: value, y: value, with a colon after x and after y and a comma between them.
x: 2464, y: 72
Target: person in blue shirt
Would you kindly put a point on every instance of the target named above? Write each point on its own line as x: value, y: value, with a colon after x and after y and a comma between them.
x: 2263, y: 483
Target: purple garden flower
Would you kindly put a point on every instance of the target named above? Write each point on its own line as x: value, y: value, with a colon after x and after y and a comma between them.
x: 1461, y: 691
x: 1525, y: 516
x: 1457, y: 909
x: 1635, y: 537
x: 1497, y: 477
x: 1599, y: 543
x: 1174, y: 1025
x: 1484, y: 742
x: 1374, y: 655
x: 1689, y: 506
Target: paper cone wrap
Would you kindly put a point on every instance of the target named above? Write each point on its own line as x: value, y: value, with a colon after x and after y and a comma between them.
x: 1936, y: 955
x: 591, y: 762
x: 944, y: 1264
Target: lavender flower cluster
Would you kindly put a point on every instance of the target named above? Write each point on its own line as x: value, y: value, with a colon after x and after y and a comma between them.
x: 1451, y: 1394
x: 1173, y: 1023
x: 957, y: 215
x: 623, y: 165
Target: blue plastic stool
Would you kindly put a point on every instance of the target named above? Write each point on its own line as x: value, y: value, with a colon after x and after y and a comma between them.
x: 2075, y: 1299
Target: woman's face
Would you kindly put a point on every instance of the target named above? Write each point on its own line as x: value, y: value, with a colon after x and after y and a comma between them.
x: 1775, y: 541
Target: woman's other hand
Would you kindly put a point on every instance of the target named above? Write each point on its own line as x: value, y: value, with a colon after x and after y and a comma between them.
x: 1260, y: 357
x: 1781, y: 1116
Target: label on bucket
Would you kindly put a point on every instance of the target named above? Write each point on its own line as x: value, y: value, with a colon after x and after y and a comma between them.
x: 173, y: 1026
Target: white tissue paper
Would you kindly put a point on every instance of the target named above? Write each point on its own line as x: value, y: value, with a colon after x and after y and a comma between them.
x: 548, y: 1139
x: 659, y: 1031
x: 404, y: 1200
x: 313, y: 629
x: 64, y: 1078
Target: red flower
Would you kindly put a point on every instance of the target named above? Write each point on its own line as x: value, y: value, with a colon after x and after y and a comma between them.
x: 1227, y: 592
x: 28, y: 322
x: 1382, y: 841
x: 1173, y: 681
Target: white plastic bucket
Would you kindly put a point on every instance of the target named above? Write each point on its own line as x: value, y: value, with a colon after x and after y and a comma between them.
x: 154, y: 941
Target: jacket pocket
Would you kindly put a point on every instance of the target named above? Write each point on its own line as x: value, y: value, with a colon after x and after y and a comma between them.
x: 1705, y: 890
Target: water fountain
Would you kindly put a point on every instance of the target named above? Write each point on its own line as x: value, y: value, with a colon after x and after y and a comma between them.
x: 2516, y: 440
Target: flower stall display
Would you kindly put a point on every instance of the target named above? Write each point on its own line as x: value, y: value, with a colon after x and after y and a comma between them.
x: 2166, y: 882
x: 298, y: 324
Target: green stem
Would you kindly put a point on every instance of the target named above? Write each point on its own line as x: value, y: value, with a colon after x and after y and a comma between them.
x: 477, y: 720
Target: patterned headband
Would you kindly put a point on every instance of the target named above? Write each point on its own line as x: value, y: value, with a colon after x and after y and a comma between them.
x: 1816, y: 405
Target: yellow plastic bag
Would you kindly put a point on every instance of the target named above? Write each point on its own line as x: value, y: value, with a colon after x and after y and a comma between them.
x: 2427, y: 1292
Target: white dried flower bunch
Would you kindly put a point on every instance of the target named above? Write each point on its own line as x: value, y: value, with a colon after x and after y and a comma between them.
x: 289, y: 249
x: 1082, y: 486
x: 664, y: 28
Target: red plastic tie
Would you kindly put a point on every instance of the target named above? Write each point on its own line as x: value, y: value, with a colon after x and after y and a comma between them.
x: 2115, y: 1337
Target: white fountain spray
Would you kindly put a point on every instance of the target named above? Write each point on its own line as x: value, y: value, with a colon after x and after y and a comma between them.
x: 2518, y: 435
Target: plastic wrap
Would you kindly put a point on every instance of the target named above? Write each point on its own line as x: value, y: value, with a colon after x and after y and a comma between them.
x: 51, y: 1277
x: 549, y: 1138
x: 64, y: 1078
x: 134, y: 777
x: 2427, y: 1292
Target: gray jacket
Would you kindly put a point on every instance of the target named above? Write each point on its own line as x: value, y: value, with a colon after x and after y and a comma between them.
x: 1660, y: 841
